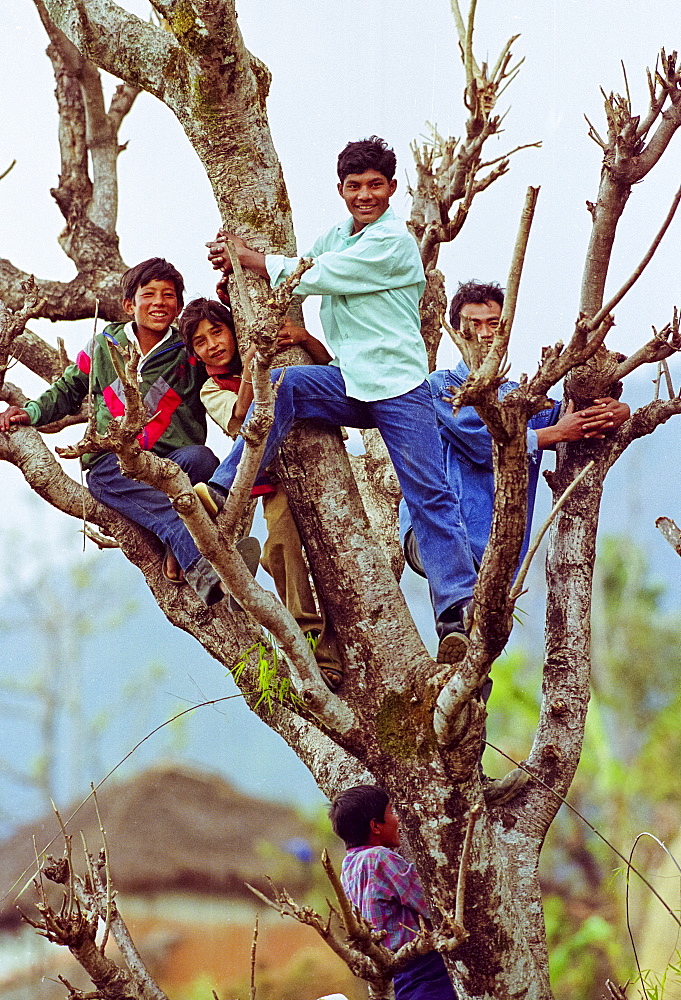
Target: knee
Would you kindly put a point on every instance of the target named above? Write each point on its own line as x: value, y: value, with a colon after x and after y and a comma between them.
x: 197, y: 460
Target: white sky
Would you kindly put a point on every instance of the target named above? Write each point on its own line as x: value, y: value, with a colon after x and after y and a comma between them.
x: 343, y: 71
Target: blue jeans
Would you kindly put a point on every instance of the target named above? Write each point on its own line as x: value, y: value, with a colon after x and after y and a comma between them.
x: 152, y: 509
x: 424, y: 979
x: 408, y: 427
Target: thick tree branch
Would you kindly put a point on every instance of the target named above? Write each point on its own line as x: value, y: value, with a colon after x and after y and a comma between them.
x: 12, y: 323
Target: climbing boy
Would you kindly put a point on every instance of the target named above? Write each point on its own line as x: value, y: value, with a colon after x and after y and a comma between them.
x: 170, y: 382
x: 207, y: 329
x: 369, y: 274
x: 385, y: 888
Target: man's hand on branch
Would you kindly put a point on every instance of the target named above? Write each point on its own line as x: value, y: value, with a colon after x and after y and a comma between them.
x: 13, y: 415
x: 220, y: 259
x: 605, y: 414
x: 291, y: 335
x: 222, y: 292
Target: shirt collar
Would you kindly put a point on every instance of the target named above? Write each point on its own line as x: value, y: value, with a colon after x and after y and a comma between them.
x: 458, y: 374
x: 132, y: 338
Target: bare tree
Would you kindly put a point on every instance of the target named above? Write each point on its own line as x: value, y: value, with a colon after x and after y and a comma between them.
x: 415, y: 728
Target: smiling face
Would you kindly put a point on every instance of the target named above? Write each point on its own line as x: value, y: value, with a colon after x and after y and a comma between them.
x: 154, y: 308
x: 367, y: 196
x: 483, y: 319
x: 214, y: 343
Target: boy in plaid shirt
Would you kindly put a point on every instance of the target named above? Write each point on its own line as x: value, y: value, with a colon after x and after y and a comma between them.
x: 385, y: 888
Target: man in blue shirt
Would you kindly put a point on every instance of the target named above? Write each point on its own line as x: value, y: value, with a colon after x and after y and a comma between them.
x: 369, y: 274
x: 467, y: 447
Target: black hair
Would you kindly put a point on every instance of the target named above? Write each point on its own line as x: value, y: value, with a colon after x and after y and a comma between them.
x: 351, y: 813
x: 215, y: 312
x: 154, y: 269
x: 373, y: 153
x: 476, y: 292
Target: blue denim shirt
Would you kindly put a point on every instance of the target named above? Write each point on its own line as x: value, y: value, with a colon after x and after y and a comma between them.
x: 467, y: 453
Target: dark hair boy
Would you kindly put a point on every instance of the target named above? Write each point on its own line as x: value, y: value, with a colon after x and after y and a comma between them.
x: 385, y: 888
x: 169, y: 381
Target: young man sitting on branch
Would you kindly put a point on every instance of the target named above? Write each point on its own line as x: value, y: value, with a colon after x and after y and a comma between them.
x: 467, y: 446
x: 368, y: 271
x: 207, y: 329
x: 467, y: 452
x: 170, y: 382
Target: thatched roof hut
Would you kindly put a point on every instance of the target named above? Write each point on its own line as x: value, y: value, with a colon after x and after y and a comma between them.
x: 169, y: 829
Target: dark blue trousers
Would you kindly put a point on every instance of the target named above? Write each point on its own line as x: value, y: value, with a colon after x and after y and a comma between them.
x: 152, y: 509
x: 408, y: 426
x: 424, y: 979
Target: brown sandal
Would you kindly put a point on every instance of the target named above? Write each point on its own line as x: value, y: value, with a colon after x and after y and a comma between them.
x: 332, y: 676
x: 172, y: 570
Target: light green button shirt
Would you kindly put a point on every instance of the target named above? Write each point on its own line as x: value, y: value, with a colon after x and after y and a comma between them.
x: 370, y: 285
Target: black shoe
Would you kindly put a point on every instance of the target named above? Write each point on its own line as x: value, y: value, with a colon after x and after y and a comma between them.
x: 453, y: 629
x: 213, y: 501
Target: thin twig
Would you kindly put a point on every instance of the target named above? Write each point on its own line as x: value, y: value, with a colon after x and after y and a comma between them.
x: 668, y: 378
x: 7, y: 170
x: 516, y: 269
x: 608, y: 308
x: 522, y: 572
x: 631, y: 933
x: 88, y: 860
x: 463, y: 865
x: 253, y: 952
x: 347, y: 912
x: 107, y: 873
x: 69, y: 859
x: 471, y: 68
x: 240, y: 280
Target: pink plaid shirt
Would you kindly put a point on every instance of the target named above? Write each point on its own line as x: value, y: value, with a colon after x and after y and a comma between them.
x: 386, y: 890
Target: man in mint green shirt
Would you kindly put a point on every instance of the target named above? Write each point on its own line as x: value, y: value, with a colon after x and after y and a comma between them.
x: 369, y: 273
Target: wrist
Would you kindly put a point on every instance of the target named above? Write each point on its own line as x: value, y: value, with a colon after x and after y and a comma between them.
x: 547, y: 437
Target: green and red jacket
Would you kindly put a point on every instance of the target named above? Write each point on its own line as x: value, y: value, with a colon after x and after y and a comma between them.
x: 169, y: 380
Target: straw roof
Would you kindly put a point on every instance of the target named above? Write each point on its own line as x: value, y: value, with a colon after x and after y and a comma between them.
x: 170, y: 829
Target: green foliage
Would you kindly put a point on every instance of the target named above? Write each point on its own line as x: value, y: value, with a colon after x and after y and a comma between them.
x: 272, y: 689
x: 659, y: 987
x: 579, y: 950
